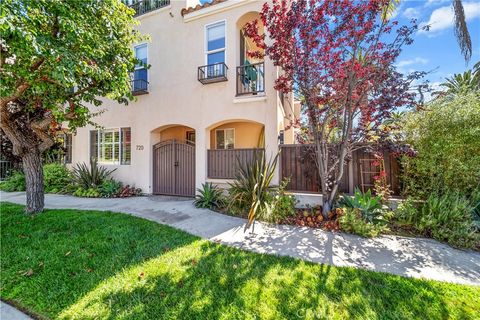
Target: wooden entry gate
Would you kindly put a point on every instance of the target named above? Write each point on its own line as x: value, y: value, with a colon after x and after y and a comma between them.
x: 174, y: 168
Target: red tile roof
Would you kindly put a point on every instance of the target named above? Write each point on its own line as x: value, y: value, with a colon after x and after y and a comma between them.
x: 200, y: 6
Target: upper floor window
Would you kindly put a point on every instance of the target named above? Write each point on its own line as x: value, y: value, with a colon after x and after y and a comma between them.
x: 215, y: 48
x: 140, y: 75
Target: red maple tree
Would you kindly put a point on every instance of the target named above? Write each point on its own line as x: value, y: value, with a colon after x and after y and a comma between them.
x: 338, y: 57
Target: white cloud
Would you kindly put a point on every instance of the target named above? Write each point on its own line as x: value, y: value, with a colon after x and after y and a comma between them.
x: 411, y: 13
x: 442, y: 18
x: 430, y: 3
x: 409, y: 62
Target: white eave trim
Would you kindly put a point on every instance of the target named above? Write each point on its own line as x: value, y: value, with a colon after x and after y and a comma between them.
x: 217, y: 8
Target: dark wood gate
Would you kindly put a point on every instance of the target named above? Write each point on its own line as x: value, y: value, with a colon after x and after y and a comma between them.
x: 174, y: 168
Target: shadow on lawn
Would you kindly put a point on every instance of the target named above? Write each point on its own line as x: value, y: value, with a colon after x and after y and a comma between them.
x: 97, y: 265
x: 215, y: 282
x: 70, y: 253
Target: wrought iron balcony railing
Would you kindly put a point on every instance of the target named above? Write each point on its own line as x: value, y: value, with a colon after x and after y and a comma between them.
x: 212, y: 73
x: 145, y: 6
x: 251, y: 79
x: 139, y: 86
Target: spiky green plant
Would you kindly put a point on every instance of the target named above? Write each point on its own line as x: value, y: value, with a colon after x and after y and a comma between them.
x: 368, y: 205
x: 209, y: 197
x: 252, y: 189
x: 462, y: 82
x: 90, y: 177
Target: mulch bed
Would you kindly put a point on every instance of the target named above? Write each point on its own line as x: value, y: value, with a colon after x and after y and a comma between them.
x: 313, y: 218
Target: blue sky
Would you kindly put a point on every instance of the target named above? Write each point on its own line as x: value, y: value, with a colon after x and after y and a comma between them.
x: 436, y: 50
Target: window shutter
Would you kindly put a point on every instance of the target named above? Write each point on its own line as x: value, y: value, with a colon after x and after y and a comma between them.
x: 68, y: 148
x: 126, y: 141
x: 94, y: 144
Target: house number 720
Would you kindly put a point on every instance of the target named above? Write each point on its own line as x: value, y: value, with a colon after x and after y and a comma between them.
x: 139, y: 147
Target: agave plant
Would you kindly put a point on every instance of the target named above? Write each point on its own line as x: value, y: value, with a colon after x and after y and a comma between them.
x: 369, y: 206
x: 90, y: 177
x: 209, y: 197
x: 252, y: 187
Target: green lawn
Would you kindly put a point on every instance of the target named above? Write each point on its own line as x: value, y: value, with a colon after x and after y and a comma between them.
x: 98, y: 265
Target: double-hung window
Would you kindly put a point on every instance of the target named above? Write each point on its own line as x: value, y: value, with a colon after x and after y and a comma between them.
x: 140, y: 75
x: 215, y: 49
x: 225, y: 139
x: 111, y: 146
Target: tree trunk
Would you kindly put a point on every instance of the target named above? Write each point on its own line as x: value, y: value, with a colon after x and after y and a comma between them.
x: 326, y: 207
x: 33, y: 169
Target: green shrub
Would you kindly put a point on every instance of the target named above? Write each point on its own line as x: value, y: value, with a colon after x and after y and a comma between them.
x: 209, y: 197
x: 351, y: 221
x: 251, y: 191
x: 446, y: 137
x: 87, y: 193
x: 447, y: 218
x: 55, y: 177
x: 90, y: 177
x: 110, y: 188
x: 283, y: 205
x: 16, y: 182
x: 369, y: 206
x: 475, y: 201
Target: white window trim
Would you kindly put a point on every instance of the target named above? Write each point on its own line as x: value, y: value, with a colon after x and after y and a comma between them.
x: 142, y: 44
x: 120, y: 146
x: 206, y: 52
x: 135, y: 53
x: 224, y: 129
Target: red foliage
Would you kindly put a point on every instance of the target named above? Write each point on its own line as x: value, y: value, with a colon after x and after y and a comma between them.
x: 339, y: 57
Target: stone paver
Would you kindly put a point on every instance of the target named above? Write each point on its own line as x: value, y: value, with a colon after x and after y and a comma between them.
x: 411, y: 257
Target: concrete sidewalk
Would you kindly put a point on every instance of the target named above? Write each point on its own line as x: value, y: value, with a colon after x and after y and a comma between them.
x: 7, y: 312
x: 411, y: 257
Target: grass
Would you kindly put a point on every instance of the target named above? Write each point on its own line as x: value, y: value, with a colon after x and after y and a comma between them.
x: 73, y: 264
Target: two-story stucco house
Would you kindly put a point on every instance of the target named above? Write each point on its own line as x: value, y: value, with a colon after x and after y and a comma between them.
x: 202, y: 104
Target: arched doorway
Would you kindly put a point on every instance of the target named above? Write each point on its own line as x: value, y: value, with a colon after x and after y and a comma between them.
x: 174, y: 162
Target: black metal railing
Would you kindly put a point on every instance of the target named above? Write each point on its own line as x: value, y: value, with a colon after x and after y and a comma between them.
x: 145, y: 6
x: 251, y: 79
x: 139, y: 86
x: 212, y: 73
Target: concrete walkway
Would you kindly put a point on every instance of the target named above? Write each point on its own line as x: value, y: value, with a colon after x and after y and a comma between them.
x: 7, y: 312
x: 411, y: 257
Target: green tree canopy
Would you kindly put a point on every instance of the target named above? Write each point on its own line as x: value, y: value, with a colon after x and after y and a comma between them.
x: 58, y: 57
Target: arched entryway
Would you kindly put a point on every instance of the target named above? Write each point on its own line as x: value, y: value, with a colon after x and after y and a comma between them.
x: 233, y: 142
x: 174, y: 161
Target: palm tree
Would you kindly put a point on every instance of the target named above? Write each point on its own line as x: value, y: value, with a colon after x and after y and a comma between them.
x: 461, y: 30
x: 462, y: 82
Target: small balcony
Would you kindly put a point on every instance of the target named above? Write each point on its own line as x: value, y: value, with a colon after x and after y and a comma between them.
x: 211, y: 73
x: 251, y: 79
x: 145, y: 6
x: 139, y: 86
x: 222, y: 164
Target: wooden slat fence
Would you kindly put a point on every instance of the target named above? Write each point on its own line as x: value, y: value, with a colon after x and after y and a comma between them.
x: 297, y: 162
x: 222, y: 164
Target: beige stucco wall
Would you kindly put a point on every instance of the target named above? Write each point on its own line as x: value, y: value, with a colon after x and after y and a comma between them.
x: 176, y: 97
x: 175, y: 132
x: 247, y: 134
